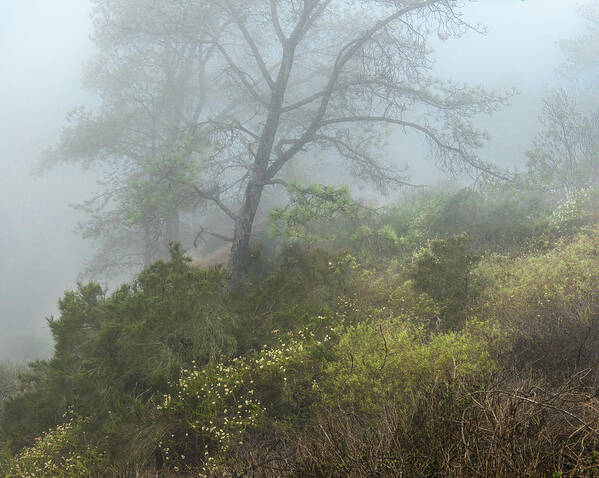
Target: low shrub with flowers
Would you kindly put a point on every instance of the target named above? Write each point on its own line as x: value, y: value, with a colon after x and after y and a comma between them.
x: 65, y: 451
x: 577, y: 209
x: 214, y: 408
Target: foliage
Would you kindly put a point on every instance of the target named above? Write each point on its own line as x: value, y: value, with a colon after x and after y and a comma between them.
x: 564, y: 156
x: 391, y: 361
x: 509, y: 218
x: 65, y: 451
x: 418, y: 358
x: 329, y: 217
x: 442, y: 270
x: 309, y: 207
x: 112, y: 354
x: 502, y: 218
x: 548, y: 304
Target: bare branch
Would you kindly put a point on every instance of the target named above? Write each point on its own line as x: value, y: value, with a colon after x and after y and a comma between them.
x: 369, y: 165
x: 303, y: 23
x: 276, y: 22
x: 242, y: 75
x: 213, y: 234
x: 429, y: 133
x: 274, y: 182
x: 259, y: 59
x: 214, y: 197
x: 235, y: 126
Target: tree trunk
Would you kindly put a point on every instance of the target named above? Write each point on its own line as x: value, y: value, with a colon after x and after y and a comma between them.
x: 172, y: 231
x: 148, y: 246
x: 240, y: 250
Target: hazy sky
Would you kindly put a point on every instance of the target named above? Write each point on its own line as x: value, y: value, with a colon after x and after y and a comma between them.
x: 42, y: 46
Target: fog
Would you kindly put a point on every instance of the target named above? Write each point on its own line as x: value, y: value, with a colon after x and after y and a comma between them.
x: 42, y: 48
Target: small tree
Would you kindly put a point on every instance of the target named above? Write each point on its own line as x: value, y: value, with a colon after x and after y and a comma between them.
x: 565, y: 156
x: 582, y: 51
x: 150, y: 87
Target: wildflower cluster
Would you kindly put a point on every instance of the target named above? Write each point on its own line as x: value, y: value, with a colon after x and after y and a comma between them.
x: 217, y: 405
x: 60, y: 452
x: 571, y: 212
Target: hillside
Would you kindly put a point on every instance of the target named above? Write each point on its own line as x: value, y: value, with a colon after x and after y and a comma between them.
x: 455, y: 335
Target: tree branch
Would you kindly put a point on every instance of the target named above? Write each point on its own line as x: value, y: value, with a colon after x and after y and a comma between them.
x: 216, y: 200
x: 345, y: 54
x: 242, y: 75
x: 429, y: 133
x: 259, y: 59
x: 274, y: 182
x: 276, y: 23
x: 377, y: 172
x: 229, y: 127
x: 213, y: 234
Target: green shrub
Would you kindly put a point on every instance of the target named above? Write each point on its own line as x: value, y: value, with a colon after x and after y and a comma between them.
x: 66, y: 451
x: 442, y: 271
x: 114, y: 353
x: 548, y: 304
x: 392, y: 362
x: 504, y: 218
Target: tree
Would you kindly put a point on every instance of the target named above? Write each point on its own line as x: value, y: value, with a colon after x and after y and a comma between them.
x: 149, y: 84
x: 582, y: 52
x: 266, y: 86
x: 314, y: 77
x: 565, y: 156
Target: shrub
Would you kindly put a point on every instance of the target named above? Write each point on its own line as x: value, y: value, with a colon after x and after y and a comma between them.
x: 392, y: 361
x: 65, y: 451
x: 442, y: 271
x: 114, y: 353
x: 548, y: 304
x: 213, y: 410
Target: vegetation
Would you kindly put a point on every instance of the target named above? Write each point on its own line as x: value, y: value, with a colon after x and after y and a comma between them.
x: 205, y: 106
x: 403, y: 348
x: 453, y: 333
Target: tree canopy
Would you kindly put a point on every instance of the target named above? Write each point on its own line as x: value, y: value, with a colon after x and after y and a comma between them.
x: 238, y: 92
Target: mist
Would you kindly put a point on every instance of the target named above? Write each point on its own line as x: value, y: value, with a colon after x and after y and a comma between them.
x: 43, y: 46
x: 281, y: 238
x: 42, y: 49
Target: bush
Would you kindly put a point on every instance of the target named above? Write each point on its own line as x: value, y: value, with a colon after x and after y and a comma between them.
x: 65, y: 451
x: 212, y: 411
x: 442, y: 271
x: 548, y: 304
x: 114, y: 354
x: 392, y: 362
